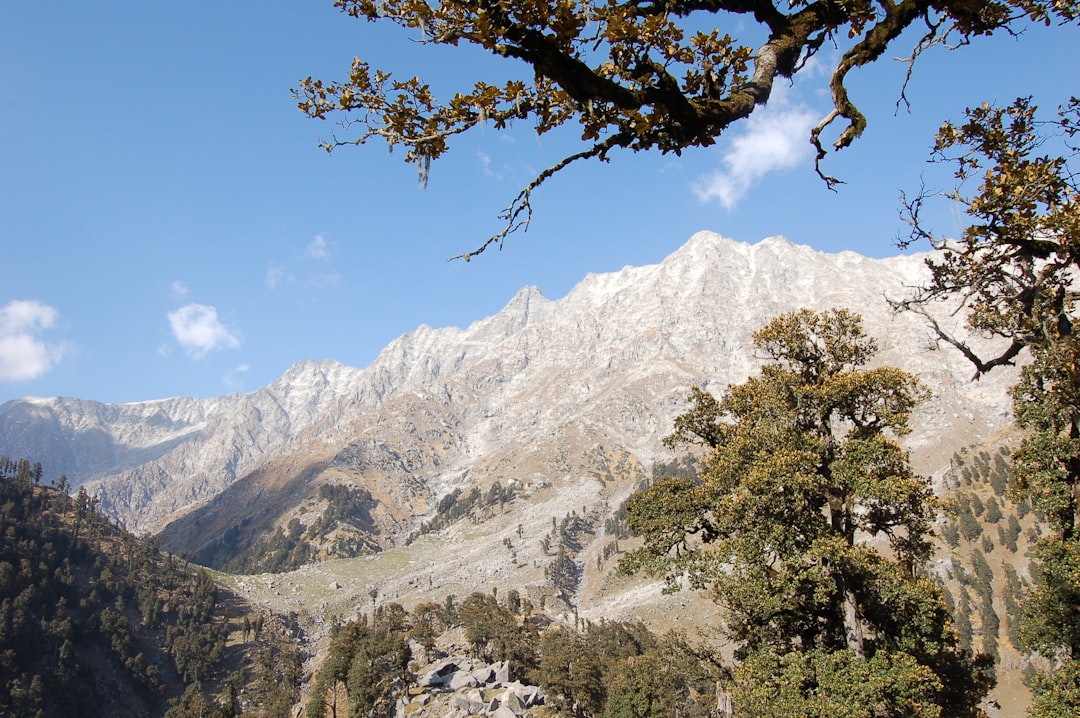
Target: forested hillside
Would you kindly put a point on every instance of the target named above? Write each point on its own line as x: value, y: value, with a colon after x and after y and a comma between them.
x: 96, y: 622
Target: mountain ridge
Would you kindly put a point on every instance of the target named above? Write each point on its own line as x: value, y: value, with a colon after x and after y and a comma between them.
x: 607, y: 363
x: 452, y: 462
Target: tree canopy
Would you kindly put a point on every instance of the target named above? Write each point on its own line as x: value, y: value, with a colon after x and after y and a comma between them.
x: 1014, y: 268
x: 639, y: 75
x: 803, y: 471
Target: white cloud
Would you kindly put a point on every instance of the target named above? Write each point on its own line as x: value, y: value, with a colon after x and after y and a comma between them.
x: 317, y: 248
x: 775, y: 137
x: 485, y: 164
x: 179, y: 289
x: 198, y: 330
x: 275, y: 275
x: 23, y: 355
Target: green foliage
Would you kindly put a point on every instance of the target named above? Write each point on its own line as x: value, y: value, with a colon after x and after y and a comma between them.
x: 429, y: 620
x: 1052, y: 610
x: 802, y: 461
x: 641, y: 687
x: 494, y: 634
x: 964, y: 631
x: 621, y: 670
x: 370, y: 659
x: 570, y: 674
x: 970, y: 527
x: 278, y: 674
x: 79, y: 596
x: 346, y: 515
x: 457, y: 505
x: 594, y: 669
x: 1014, y: 268
x: 283, y: 550
x: 347, y: 505
x: 1000, y: 474
x: 565, y: 541
x: 563, y: 573
x: 950, y: 533
x: 836, y: 684
x: 1057, y: 694
x: 1014, y: 595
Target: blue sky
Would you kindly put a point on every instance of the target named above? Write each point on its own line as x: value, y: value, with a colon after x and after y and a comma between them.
x: 171, y: 228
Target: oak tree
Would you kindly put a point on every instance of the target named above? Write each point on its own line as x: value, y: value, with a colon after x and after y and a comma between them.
x: 808, y: 526
x: 638, y: 75
x: 1014, y: 269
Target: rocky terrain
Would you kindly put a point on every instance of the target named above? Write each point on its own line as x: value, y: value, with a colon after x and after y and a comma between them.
x: 494, y: 456
x: 541, y: 389
x: 562, y: 403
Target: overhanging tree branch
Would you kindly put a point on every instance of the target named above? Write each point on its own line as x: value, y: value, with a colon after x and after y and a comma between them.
x: 522, y: 203
x: 633, y: 75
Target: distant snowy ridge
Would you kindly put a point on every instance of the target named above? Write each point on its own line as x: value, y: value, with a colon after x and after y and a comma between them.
x: 609, y: 364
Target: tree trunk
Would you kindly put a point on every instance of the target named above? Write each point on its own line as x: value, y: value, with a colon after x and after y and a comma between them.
x: 853, y: 629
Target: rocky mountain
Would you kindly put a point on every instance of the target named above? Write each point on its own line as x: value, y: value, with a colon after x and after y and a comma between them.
x: 498, y: 456
x: 574, y: 393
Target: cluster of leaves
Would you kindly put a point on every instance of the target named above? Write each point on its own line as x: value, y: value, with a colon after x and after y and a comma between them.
x: 801, y: 467
x: 345, y: 506
x: 370, y: 658
x: 283, y: 550
x: 495, y: 632
x: 977, y: 491
x: 564, y: 543
x: 622, y: 670
x: 638, y: 75
x: 1014, y: 269
x: 196, y: 641
x: 76, y: 591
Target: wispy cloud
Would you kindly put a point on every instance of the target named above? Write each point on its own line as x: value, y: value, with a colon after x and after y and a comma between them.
x: 322, y: 281
x: 317, y: 248
x: 775, y: 137
x: 231, y: 380
x: 179, y: 289
x: 198, y: 330
x: 283, y: 274
x: 275, y: 275
x: 23, y: 354
x: 487, y: 165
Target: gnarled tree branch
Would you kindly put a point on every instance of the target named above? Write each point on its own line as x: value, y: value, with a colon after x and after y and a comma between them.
x: 633, y: 75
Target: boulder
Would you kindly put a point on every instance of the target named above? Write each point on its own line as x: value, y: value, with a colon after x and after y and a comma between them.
x: 463, y: 704
x: 437, y: 675
x: 484, y: 675
x: 502, y: 672
x: 460, y: 679
x: 509, y: 699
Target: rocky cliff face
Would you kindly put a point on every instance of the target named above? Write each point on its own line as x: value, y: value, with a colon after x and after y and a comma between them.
x: 575, y: 393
